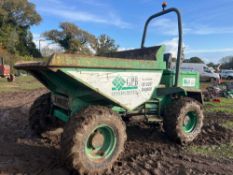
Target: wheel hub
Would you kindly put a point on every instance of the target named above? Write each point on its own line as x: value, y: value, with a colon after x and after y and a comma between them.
x: 189, y: 122
x: 97, y: 140
x: 186, y: 120
x: 101, y: 143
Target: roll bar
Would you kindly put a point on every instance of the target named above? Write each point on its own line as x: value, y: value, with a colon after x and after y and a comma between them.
x: 180, y: 36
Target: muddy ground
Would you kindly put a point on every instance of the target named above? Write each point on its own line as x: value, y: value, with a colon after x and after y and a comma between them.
x: 148, y: 151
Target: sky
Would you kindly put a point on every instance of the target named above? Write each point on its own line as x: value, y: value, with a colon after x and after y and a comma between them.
x: 207, y: 25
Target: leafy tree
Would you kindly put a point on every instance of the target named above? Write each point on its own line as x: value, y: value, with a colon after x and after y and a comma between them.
x: 9, y: 38
x: 194, y: 60
x: 27, y: 46
x: 72, y: 38
x: 105, y: 44
x: 211, y: 64
x: 16, y: 17
x: 20, y: 13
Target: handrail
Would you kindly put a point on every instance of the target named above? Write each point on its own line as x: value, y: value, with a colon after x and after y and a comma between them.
x: 179, y: 41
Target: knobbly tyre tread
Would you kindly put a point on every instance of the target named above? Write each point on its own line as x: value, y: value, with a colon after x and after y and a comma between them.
x: 78, y: 128
x: 39, y: 119
x: 173, y: 118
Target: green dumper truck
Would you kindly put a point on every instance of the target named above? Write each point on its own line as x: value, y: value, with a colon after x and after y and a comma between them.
x: 92, y: 95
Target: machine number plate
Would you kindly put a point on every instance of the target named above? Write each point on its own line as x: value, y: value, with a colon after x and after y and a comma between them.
x: 189, y: 82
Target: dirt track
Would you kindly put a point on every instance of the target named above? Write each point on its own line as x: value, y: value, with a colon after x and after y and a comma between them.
x: 148, y: 151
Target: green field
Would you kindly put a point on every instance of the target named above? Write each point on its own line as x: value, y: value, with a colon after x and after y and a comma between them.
x: 222, y: 150
x: 224, y: 106
x: 216, y: 151
x: 21, y: 83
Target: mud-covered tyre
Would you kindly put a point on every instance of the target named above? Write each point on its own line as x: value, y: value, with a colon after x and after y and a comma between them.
x: 93, y: 140
x: 183, y: 120
x: 39, y: 119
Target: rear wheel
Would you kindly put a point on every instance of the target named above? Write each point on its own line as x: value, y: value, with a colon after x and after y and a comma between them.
x: 93, y: 140
x: 183, y: 120
x: 40, y: 120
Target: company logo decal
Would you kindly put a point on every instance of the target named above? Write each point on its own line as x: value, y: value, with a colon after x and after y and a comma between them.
x: 128, y: 83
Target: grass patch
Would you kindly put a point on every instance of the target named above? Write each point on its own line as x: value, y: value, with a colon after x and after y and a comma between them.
x: 228, y: 124
x: 21, y: 83
x: 224, y: 106
x: 221, y: 151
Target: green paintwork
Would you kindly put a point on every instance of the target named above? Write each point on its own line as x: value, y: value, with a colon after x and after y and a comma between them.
x: 151, y: 106
x: 168, y: 79
x: 58, y: 61
x: 118, y: 109
x: 104, y: 151
x: 71, y: 60
x: 95, y: 91
x: 61, y: 115
x: 191, y: 122
x: 54, y: 75
x: 163, y: 96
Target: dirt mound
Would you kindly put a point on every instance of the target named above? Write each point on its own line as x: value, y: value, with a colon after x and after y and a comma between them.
x: 148, y: 150
x: 213, y: 133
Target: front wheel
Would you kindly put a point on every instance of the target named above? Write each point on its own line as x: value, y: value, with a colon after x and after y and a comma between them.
x: 93, y: 140
x: 183, y: 120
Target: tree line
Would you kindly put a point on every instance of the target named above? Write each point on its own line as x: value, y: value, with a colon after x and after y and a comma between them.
x: 225, y: 62
x: 16, y: 18
x: 76, y: 40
